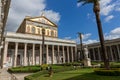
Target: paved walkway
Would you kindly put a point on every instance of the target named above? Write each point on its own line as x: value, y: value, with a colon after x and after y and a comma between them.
x: 4, y: 75
x: 20, y: 76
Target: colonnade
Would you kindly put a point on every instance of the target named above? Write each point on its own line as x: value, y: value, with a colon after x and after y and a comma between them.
x: 113, y: 52
x: 53, y: 54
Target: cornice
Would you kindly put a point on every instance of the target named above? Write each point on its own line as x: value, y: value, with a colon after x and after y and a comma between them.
x: 36, y: 37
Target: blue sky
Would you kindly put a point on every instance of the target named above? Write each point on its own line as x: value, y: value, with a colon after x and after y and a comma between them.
x: 70, y: 17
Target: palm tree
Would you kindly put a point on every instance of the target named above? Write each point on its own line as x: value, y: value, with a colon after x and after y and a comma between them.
x: 96, y: 10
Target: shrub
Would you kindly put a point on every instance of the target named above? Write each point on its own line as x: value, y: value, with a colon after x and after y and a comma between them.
x: 111, y: 72
x: 44, y: 66
x: 72, y: 64
x: 112, y: 65
x: 24, y: 69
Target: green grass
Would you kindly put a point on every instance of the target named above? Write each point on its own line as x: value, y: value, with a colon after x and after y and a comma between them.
x: 81, y: 74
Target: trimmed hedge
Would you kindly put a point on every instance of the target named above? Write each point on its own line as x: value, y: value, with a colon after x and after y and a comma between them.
x: 112, y: 65
x: 24, y: 69
x: 111, y: 72
x: 70, y: 64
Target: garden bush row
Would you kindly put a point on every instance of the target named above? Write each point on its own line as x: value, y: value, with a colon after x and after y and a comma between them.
x: 111, y: 72
x: 69, y: 64
x: 24, y: 69
x: 112, y: 66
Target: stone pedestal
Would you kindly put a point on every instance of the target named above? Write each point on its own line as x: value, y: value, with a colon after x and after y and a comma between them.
x: 87, y: 62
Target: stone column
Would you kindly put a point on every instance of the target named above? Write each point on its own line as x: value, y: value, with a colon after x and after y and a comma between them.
x: 68, y: 60
x: 33, y: 54
x: 99, y: 54
x: 75, y: 54
x: 115, y: 52
x: 111, y: 54
x: 58, y: 50
x: 118, y: 50
x: 5, y: 53
x: 40, y: 55
x: 63, y: 54
x: 47, y: 50
x: 52, y: 54
x: 72, y: 53
x: 15, y: 55
x: 94, y: 54
x: 25, y: 53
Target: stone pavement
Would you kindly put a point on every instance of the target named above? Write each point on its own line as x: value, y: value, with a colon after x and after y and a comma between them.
x: 4, y: 75
x: 20, y: 76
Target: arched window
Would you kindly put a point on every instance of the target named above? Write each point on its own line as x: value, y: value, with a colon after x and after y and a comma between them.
x: 48, y: 32
x: 33, y: 29
x: 52, y: 33
x: 55, y: 34
x: 28, y: 29
x: 38, y: 31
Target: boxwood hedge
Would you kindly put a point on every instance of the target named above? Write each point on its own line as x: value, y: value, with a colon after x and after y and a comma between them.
x: 111, y: 72
x: 24, y: 69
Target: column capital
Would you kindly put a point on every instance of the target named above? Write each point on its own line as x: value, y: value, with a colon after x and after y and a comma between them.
x: 25, y: 43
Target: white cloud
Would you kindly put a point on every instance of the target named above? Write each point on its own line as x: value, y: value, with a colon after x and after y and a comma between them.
x: 118, y: 9
x: 68, y: 38
x: 90, y: 41
x: 115, y: 33
x: 21, y: 8
x: 86, y: 36
x: 89, y: 15
x: 79, y: 4
x: 106, y: 7
x: 54, y: 16
x: 108, y: 18
x: 85, y: 39
x: 104, y: 2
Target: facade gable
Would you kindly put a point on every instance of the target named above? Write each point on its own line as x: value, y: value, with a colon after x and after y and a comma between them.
x: 34, y: 25
x: 43, y: 20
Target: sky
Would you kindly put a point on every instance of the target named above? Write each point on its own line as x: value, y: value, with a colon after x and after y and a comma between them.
x: 70, y: 16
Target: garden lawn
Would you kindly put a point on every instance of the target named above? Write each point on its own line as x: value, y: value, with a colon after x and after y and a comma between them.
x: 82, y: 74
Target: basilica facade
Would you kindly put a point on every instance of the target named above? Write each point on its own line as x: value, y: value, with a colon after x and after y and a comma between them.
x: 24, y: 47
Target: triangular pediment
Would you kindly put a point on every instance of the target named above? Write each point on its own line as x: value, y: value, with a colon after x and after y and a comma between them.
x: 43, y: 20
